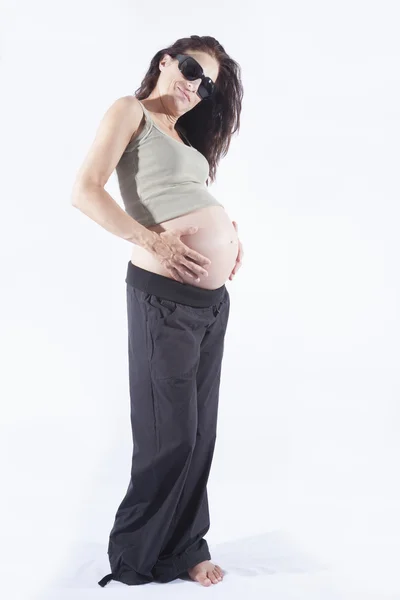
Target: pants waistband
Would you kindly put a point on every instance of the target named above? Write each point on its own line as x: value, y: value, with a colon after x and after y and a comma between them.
x: 170, y: 289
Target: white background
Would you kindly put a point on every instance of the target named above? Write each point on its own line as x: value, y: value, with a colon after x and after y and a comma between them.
x: 304, y: 488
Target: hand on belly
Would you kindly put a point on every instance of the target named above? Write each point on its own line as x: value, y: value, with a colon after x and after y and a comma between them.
x: 220, y: 248
x: 216, y: 239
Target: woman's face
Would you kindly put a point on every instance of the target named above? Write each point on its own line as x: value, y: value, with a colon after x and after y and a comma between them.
x: 173, y: 83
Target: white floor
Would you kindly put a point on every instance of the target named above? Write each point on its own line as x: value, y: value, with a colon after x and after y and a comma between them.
x: 317, y: 551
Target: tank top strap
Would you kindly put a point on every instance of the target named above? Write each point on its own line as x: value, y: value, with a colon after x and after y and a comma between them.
x: 144, y: 109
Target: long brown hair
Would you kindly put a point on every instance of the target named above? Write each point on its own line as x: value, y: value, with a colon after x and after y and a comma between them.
x: 209, y: 126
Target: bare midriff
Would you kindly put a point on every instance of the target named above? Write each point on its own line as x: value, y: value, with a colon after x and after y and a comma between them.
x: 216, y: 239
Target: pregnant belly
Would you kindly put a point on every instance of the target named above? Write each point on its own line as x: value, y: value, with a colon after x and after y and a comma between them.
x: 216, y: 239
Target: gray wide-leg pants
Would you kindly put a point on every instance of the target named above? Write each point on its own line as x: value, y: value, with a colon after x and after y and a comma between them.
x: 176, y: 339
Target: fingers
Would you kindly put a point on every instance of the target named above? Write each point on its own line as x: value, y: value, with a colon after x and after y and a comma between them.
x: 194, y: 268
x: 189, y: 273
x: 174, y: 271
x: 181, y: 270
x: 196, y: 257
x: 236, y: 268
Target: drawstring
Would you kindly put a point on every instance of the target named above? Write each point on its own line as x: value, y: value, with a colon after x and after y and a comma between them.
x: 105, y: 580
x: 217, y: 309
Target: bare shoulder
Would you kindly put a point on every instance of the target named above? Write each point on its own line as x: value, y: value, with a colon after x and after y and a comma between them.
x: 119, y: 125
x: 130, y: 105
x: 131, y: 101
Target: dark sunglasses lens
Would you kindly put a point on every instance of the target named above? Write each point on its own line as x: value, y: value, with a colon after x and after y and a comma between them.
x: 204, y: 91
x: 191, y: 69
x: 209, y: 86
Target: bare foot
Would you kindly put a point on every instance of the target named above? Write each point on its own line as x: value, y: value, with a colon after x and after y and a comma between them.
x: 206, y: 573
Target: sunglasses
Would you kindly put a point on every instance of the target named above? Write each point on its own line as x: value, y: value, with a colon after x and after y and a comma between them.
x: 191, y: 70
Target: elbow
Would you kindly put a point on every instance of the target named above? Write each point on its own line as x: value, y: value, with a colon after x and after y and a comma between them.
x: 80, y: 192
x: 77, y: 194
x: 74, y: 197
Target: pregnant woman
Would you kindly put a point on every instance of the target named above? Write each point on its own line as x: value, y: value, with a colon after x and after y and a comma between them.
x: 164, y: 143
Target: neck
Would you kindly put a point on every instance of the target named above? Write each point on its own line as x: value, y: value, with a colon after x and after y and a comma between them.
x: 159, y: 106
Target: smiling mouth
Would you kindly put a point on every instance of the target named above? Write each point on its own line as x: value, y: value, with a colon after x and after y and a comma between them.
x: 183, y: 93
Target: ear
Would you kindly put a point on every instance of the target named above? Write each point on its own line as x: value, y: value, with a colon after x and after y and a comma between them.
x: 165, y: 61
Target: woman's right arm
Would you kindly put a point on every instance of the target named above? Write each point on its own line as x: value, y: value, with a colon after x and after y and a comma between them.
x: 117, y: 127
x: 120, y: 122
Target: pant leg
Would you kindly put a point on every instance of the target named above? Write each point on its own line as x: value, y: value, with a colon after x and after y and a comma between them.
x: 165, y: 340
x: 163, y: 359
x: 132, y: 548
x: 192, y: 520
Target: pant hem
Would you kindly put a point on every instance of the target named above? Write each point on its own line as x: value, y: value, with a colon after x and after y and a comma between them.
x: 165, y: 571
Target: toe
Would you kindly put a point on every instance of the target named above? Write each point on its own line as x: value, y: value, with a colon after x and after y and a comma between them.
x: 217, y: 575
x: 219, y: 571
x: 212, y: 576
x: 203, y: 579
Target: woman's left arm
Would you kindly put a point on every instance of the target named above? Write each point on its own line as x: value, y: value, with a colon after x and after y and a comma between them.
x: 239, y: 257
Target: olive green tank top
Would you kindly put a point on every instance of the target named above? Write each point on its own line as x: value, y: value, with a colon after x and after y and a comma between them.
x: 160, y: 178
